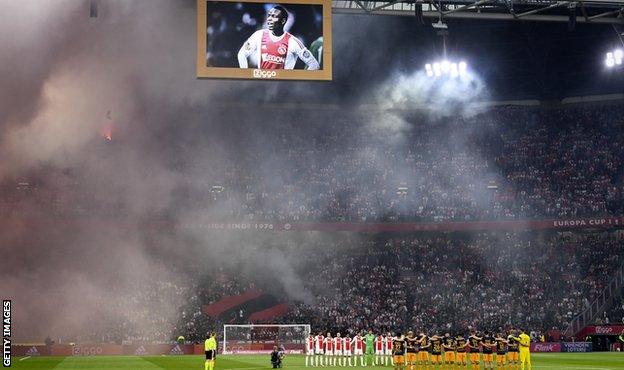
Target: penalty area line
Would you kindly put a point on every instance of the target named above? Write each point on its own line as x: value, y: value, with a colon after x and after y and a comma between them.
x: 24, y: 358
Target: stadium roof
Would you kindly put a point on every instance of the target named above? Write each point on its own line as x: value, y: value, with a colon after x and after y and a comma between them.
x: 524, y: 59
x: 586, y: 11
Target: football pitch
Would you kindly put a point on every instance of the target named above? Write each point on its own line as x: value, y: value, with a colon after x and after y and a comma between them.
x: 573, y: 361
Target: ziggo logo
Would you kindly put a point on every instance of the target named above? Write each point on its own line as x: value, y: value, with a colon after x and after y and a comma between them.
x: 258, y: 73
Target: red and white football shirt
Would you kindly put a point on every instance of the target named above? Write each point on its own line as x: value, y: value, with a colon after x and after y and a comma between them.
x: 275, y: 52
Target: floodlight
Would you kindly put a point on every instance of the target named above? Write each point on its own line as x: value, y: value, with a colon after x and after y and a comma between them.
x: 446, y: 68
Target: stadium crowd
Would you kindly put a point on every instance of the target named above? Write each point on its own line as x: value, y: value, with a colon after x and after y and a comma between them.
x: 449, y: 283
x: 507, y: 163
x: 437, y: 282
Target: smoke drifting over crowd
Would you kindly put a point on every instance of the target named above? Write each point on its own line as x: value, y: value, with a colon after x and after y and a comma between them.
x: 130, y: 73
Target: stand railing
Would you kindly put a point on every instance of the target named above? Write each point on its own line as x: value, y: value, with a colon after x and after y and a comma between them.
x: 613, y: 289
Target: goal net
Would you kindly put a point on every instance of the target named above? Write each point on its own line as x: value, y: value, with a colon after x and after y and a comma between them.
x: 261, y: 338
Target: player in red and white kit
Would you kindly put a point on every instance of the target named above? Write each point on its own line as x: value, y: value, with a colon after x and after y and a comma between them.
x: 358, y: 349
x: 388, y: 350
x: 329, y: 350
x: 319, y: 340
x: 274, y: 48
x: 309, y: 360
x: 347, y: 349
x: 338, y: 349
x: 380, y: 342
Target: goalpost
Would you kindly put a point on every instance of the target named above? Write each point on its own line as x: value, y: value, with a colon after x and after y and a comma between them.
x: 260, y: 338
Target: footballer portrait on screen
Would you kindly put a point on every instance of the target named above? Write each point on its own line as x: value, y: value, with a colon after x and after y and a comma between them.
x: 275, y: 48
x: 266, y: 36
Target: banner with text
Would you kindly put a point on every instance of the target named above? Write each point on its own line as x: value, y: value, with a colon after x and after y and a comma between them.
x: 546, y: 347
x: 372, y: 227
x: 603, y: 330
x: 576, y: 347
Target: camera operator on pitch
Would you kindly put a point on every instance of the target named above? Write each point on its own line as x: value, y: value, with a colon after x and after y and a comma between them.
x: 276, y: 357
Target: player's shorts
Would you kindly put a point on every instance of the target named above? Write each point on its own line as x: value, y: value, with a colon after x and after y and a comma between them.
x: 423, y: 356
x: 436, y: 358
x: 500, y: 359
x: 398, y: 359
x: 388, y: 352
x: 461, y: 357
x: 379, y: 352
x: 474, y: 357
x: 309, y: 352
x: 338, y: 352
x: 357, y: 352
x: 318, y: 351
x: 369, y: 351
x: 347, y: 353
x: 329, y: 353
x: 513, y: 356
x: 488, y: 357
x: 525, y: 354
x: 410, y: 357
x: 449, y: 356
x: 210, y: 355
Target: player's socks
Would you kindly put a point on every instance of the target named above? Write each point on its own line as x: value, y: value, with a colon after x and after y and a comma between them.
x: 206, y: 365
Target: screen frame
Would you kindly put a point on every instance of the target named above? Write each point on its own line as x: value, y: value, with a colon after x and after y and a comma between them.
x: 204, y: 71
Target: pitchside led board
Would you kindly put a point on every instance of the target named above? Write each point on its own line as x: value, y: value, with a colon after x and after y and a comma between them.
x: 256, y: 39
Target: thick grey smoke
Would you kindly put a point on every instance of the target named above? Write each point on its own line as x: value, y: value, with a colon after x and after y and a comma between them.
x: 130, y: 74
x: 443, y: 97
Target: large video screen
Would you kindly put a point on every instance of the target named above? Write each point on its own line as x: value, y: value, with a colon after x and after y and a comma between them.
x: 256, y: 39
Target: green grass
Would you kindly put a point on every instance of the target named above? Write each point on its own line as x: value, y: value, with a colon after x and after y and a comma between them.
x: 572, y: 361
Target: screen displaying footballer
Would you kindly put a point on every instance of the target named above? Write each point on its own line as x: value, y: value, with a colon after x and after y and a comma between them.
x: 263, y: 40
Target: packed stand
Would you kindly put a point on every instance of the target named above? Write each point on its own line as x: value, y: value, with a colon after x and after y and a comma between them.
x: 507, y: 163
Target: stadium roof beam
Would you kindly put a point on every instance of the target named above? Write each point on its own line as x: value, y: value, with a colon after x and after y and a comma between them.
x: 467, y: 6
x: 592, y: 11
x: 383, y: 6
x: 606, y: 14
x: 552, y: 6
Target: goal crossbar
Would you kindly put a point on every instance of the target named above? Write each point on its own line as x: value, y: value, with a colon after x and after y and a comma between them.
x: 305, y: 331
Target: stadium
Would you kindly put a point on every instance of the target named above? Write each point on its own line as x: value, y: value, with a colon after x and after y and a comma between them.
x: 221, y: 184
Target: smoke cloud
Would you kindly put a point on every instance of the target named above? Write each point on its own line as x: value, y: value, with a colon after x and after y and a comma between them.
x: 110, y: 107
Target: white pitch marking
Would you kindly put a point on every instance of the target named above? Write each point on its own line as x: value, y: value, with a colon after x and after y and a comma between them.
x: 25, y: 358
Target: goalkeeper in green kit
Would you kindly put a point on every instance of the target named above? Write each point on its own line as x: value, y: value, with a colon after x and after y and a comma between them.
x: 369, y: 340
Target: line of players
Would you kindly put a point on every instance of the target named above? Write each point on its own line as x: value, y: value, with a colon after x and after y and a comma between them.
x: 421, y: 352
